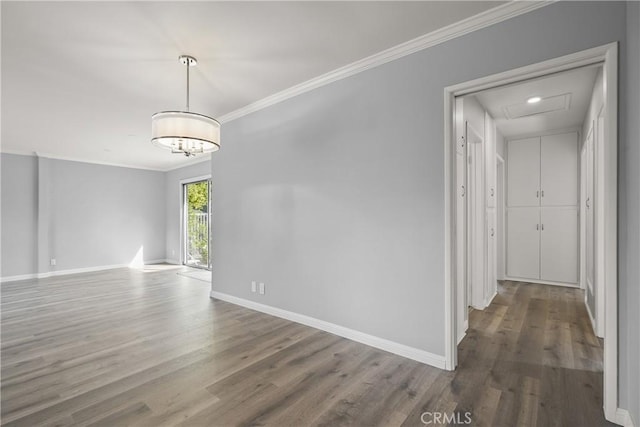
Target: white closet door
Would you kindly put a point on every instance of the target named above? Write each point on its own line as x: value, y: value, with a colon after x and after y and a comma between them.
x: 523, y: 172
x: 559, y: 244
x: 559, y: 170
x: 523, y: 243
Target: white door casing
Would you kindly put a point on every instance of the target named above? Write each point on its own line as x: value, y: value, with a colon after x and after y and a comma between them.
x: 607, y: 55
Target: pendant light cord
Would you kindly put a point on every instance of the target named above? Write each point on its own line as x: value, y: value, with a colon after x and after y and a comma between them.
x: 187, y: 65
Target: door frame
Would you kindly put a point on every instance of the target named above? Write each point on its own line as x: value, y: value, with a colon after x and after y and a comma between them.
x: 606, y: 55
x: 500, y: 218
x: 183, y: 218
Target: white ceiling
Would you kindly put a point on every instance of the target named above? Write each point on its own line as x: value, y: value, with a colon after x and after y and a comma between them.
x: 577, y: 83
x: 80, y: 80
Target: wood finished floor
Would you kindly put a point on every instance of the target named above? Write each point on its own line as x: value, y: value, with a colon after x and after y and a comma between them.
x: 127, y: 347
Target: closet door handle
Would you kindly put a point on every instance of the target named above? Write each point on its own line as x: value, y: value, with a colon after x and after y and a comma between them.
x: 587, y: 201
x: 542, y: 193
x: 537, y: 227
x: 463, y: 191
x: 537, y: 194
x: 542, y: 227
x: 493, y: 232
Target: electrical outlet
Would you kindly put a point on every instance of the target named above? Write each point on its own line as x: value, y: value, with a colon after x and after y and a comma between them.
x: 52, y: 261
x: 261, y: 287
x: 253, y: 286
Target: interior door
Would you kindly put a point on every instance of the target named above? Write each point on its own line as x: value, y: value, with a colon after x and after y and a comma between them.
x: 588, y: 210
x: 559, y: 170
x: 559, y: 244
x: 523, y: 172
x: 461, y: 231
x: 523, y: 243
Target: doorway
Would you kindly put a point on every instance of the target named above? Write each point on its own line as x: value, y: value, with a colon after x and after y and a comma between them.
x: 605, y: 192
x: 196, y: 215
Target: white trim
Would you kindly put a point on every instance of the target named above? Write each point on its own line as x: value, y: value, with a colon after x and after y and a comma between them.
x: 623, y: 417
x: 183, y: 219
x: 610, y: 224
x: 542, y: 282
x: 488, y: 301
x: 450, y: 292
x: 18, y: 277
x: 195, y: 179
x: 547, y: 132
x: 200, y: 159
x: 608, y: 56
x: 361, y: 337
x: 591, y: 318
x: 466, y: 26
x: 76, y: 271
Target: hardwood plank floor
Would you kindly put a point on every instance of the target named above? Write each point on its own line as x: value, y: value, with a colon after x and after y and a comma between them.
x: 128, y: 347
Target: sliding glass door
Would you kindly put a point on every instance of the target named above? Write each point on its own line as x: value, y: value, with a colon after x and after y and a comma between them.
x: 196, y: 225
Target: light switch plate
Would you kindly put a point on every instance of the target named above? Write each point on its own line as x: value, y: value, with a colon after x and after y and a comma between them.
x: 261, y: 288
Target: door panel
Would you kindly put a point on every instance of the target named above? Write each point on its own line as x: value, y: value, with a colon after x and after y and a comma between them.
x: 523, y: 172
x: 559, y: 244
x: 523, y: 243
x: 559, y: 170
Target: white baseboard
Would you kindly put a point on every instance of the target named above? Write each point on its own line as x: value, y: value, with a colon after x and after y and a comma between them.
x: 72, y: 271
x: 370, y: 340
x: 542, y: 282
x: 18, y: 277
x: 623, y: 417
x: 591, y: 318
x: 487, y: 302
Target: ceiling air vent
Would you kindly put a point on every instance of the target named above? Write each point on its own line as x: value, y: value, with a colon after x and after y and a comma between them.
x: 546, y: 105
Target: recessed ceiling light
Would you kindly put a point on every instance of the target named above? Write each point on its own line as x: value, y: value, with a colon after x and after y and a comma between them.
x: 534, y: 100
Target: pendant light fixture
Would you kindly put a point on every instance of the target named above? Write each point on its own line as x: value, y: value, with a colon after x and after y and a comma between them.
x: 185, y: 132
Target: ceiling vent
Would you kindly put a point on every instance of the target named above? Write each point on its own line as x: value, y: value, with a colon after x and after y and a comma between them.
x: 546, y: 105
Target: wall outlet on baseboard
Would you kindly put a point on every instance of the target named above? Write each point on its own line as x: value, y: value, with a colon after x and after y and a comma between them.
x: 261, y: 288
x: 253, y: 286
x: 52, y: 261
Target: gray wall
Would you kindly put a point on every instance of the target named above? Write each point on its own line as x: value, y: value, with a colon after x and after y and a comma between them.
x: 629, y: 234
x: 334, y: 198
x: 19, y: 216
x: 173, y: 205
x: 87, y: 215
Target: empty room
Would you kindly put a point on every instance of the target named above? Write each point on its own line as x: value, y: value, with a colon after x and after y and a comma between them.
x: 306, y: 213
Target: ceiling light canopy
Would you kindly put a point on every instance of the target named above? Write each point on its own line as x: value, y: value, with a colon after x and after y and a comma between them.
x: 534, y: 100
x: 185, y: 132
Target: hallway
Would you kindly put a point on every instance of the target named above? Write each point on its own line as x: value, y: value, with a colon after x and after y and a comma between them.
x: 531, y: 358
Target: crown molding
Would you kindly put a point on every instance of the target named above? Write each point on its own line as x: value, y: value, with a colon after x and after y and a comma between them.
x: 458, y: 29
x: 196, y: 160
